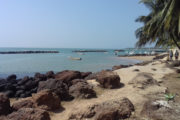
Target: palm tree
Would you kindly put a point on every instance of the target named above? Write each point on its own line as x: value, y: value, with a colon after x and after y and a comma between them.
x: 161, y: 25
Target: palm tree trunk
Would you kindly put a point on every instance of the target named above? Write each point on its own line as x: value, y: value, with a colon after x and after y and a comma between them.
x: 175, y: 42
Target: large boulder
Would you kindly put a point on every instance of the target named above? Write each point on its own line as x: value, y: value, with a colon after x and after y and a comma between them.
x: 23, y: 103
x: 81, y: 89
x: 46, y: 100
x: 67, y: 76
x: 108, y: 110
x: 9, y: 93
x: 11, y: 77
x: 91, y: 76
x: 23, y: 81
x: 4, y: 104
x: 40, y: 77
x: 108, y: 79
x: 29, y: 114
x: 57, y: 86
x: 50, y: 74
x: 143, y: 80
x: 85, y: 74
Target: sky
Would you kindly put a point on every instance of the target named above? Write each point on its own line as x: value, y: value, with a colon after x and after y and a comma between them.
x: 69, y: 23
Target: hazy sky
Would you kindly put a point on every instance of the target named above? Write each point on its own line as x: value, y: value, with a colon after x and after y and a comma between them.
x: 69, y: 23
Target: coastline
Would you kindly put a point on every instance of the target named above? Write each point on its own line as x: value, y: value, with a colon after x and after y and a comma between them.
x: 138, y: 96
x: 157, y: 69
x: 141, y: 58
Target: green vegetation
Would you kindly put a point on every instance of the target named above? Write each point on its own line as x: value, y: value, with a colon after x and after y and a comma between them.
x: 161, y: 25
x: 169, y: 96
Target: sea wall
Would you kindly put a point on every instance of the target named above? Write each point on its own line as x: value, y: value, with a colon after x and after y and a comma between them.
x: 27, y: 52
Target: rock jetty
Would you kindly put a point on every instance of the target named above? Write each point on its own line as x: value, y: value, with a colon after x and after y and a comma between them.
x: 27, y: 52
x: 90, y: 51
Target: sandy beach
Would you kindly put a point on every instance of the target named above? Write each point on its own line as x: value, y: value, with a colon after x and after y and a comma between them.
x: 141, y: 58
x: 156, y: 69
x: 139, y: 84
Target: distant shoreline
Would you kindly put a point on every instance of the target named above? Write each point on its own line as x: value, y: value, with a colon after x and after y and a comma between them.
x: 27, y: 52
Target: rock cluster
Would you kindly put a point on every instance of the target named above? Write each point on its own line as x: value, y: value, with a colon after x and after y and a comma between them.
x: 44, y: 92
x: 14, y: 87
x: 32, y: 108
x: 4, y: 105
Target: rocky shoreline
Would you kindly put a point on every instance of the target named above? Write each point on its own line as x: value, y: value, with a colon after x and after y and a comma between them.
x: 27, y: 52
x: 105, y: 95
x: 15, y: 87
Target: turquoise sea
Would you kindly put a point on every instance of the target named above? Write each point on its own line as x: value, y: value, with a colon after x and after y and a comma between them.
x: 28, y: 64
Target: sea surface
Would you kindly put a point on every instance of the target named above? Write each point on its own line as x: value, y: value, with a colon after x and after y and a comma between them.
x: 28, y: 64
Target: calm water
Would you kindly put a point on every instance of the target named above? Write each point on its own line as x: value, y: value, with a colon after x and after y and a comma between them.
x: 28, y: 64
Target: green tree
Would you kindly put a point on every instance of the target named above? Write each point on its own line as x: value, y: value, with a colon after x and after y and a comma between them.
x: 161, y: 25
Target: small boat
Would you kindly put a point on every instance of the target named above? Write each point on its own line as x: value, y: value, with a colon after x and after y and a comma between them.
x: 75, y: 58
x: 153, y: 52
x: 131, y: 52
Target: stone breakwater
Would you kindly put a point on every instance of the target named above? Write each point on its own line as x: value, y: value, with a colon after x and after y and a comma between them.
x: 27, y: 52
x: 89, y: 51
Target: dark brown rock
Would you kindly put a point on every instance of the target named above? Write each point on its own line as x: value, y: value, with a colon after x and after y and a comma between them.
x: 91, y: 76
x: 57, y: 86
x: 108, y: 110
x: 23, y: 103
x: 75, y: 81
x: 40, y: 77
x: 67, y: 76
x: 29, y: 114
x: 4, y: 104
x: 85, y: 74
x: 82, y: 90
x: 11, y: 77
x: 50, y: 74
x: 23, y: 81
x: 108, y: 79
x: 46, y: 100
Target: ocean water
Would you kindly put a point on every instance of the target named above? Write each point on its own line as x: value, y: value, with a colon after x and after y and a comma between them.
x: 28, y: 64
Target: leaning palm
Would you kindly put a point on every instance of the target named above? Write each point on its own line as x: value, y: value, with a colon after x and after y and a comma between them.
x: 162, y: 25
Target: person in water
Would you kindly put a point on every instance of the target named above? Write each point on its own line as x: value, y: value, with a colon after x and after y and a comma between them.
x: 176, y: 55
x: 171, y: 54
